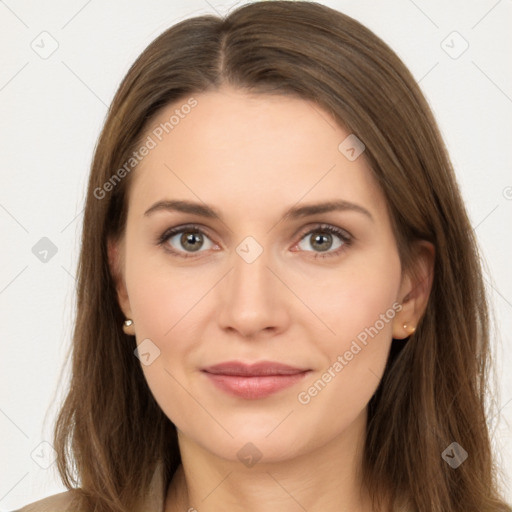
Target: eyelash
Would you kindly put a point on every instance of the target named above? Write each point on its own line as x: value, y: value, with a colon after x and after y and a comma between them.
x: 346, y: 238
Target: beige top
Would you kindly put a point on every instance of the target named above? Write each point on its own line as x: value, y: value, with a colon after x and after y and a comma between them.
x: 62, y: 502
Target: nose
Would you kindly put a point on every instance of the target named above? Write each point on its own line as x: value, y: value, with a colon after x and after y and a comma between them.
x: 252, y: 299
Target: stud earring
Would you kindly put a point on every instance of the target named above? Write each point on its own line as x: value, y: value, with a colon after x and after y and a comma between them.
x: 128, y: 327
x: 409, y: 329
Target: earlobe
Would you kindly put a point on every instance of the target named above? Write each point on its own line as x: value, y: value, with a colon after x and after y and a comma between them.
x: 400, y: 332
x: 128, y: 327
x: 415, y: 290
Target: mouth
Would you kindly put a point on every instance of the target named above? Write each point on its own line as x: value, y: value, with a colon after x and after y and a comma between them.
x: 253, y: 381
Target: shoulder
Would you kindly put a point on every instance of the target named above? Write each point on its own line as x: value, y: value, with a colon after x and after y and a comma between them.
x: 56, y: 503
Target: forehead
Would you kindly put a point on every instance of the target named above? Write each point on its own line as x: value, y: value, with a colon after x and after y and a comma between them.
x: 249, y: 151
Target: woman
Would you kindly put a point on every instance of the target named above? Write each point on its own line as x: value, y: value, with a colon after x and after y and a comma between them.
x: 327, y: 347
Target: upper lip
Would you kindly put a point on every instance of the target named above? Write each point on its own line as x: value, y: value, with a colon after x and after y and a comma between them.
x: 255, y: 369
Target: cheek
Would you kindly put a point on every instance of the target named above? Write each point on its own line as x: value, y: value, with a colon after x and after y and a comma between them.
x: 359, y: 305
x: 167, y: 306
x: 357, y: 296
x: 163, y: 298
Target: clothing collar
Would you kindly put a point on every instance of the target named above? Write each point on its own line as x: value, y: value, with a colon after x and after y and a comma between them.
x: 155, y: 500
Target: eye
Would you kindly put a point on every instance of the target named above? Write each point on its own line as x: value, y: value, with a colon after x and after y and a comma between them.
x: 323, y: 240
x: 184, y: 239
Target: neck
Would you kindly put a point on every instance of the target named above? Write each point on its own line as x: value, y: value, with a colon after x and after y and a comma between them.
x: 326, y: 478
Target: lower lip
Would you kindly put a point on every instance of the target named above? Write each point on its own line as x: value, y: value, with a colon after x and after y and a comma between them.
x: 252, y: 388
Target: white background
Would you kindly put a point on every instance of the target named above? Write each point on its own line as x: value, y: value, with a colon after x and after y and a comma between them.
x: 51, y: 113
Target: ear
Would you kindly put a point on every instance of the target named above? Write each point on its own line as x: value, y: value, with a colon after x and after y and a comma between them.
x: 415, y: 290
x: 115, y: 250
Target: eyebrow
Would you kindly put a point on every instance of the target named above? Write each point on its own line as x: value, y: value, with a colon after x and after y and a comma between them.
x: 294, y: 212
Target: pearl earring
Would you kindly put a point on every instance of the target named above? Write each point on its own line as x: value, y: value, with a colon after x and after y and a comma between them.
x: 409, y: 329
x: 127, y: 326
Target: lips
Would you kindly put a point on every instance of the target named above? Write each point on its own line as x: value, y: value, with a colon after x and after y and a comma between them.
x: 253, y: 381
x: 253, y: 370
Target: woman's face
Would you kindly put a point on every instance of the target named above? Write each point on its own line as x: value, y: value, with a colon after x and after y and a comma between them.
x: 255, y: 285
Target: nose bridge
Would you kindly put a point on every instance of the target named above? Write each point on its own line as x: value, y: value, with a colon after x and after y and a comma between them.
x: 250, y: 298
x: 251, y: 279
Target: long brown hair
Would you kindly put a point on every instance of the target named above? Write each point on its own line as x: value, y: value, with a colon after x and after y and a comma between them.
x: 110, y: 433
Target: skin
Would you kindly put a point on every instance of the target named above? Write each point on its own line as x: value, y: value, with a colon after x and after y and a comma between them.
x: 252, y: 157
